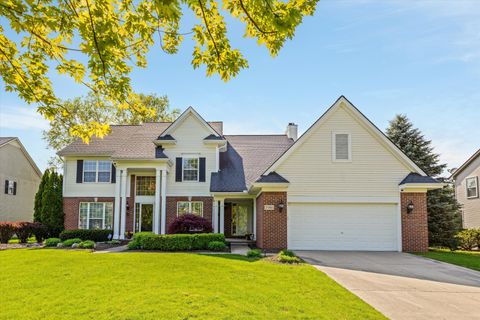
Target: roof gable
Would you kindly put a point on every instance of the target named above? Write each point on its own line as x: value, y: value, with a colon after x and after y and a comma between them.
x: 466, y: 164
x: 16, y: 141
x: 190, y: 112
x: 342, y: 102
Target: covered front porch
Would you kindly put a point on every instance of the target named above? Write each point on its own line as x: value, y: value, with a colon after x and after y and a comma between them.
x: 235, y: 216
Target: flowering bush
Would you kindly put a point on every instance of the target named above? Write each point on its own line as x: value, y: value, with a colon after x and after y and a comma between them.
x: 190, y: 223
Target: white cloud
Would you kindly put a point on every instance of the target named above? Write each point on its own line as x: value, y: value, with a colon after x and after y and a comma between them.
x: 21, y: 118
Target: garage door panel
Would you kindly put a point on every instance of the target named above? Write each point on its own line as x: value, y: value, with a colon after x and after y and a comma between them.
x: 319, y: 226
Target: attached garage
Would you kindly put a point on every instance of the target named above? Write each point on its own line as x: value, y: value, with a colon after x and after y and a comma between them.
x: 343, y: 226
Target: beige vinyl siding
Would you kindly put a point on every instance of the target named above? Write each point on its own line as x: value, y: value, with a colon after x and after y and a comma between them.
x: 374, y: 171
x: 471, y: 207
x: 15, y: 166
x: 189, y: 135
x: 90, y: 189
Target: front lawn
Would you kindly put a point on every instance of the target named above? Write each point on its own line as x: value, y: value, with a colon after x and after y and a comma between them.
x: 467, y: 259
x: 60, y: 284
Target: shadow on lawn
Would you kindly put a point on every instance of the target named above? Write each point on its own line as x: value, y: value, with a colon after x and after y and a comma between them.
x: 236, y: 257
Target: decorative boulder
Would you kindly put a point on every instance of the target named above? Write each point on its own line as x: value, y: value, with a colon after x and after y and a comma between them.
x: 75, y: 245
x: 59, y: 245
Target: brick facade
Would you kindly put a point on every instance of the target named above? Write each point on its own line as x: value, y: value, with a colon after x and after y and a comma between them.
x: 172, y: 208
x: 271, y: 224
x: 414, y: 224
x: 71, y: 208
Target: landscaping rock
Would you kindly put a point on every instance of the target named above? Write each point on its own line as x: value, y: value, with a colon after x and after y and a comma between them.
x: 60, y: 245
x: 75, y: 245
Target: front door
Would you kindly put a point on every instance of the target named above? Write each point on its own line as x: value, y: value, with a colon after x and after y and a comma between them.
x: 143, y: 217
x: 239, y: 220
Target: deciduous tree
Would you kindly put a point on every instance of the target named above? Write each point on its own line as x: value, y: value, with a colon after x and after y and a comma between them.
x: 98, y: 43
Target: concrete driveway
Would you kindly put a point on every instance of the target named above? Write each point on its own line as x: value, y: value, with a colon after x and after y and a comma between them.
x: 403, y: 286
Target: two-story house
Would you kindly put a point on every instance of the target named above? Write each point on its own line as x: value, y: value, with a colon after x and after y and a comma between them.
x: 20, y: 177
x: 466, y: 190
x: 343, y: 185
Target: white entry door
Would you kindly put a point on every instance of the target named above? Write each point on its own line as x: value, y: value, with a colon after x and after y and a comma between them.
x: 340, y: 226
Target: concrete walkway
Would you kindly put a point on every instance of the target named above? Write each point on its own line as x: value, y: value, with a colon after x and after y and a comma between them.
x: 114, y: 249
x: 241, y: 249
x: 403, y: 286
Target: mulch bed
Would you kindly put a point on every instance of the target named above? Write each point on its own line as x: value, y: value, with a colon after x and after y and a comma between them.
x: 105, y: 246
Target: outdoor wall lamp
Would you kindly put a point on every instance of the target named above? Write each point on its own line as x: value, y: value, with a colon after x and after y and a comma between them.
x: 281, y: 205
x: 410, y: 207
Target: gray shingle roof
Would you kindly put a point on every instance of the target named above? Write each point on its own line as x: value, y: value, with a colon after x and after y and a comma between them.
x: 272, y: 177
x: 246, y: 158
x: 414, y: 177
x: 125, y: 141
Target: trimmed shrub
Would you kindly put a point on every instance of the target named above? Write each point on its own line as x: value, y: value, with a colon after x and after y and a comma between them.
x: 134, y: 245
x: 201, y: 240
x: 40, y: 231
x: 96, y: 235
x: 174, y: 242
x: 87, y: 244
x: 468, y: 239
x: 69, y: 242
x: 254, y: 253
x: 23, y: 230
x: 52, y: 242
x: 114, y: 242
x: 190, y: 223
x: 216, y: 246
x: 288, y: 256
x: 287, y: 259
x: 288, y: 253
x: 7, y: 230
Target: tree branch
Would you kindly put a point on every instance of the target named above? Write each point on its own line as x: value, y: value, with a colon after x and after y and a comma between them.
x: 95, y: 40
x: 209, y: 32
x: 253, y: 21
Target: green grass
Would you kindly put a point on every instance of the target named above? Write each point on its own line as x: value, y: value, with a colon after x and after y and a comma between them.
x: 61, y: 284
x: 468, y: 259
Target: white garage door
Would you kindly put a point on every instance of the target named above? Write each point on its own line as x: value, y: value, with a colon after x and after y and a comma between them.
x: 320, y: 226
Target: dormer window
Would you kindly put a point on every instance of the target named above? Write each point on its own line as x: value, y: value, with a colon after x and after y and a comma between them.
x: 190, y: 169
x: 341, y: 147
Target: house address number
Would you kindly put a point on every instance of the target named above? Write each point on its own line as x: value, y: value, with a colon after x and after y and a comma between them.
x: 268, y: 207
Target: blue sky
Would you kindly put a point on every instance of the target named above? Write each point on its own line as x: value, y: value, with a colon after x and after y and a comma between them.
x: 421, y: 58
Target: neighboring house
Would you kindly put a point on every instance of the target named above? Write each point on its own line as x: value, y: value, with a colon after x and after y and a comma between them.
x: 341, y: 186
x: 466, y: 190
x: 20, y: 178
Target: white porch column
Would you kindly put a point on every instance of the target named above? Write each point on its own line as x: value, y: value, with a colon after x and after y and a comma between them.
x: 222, y: 216
x: 164, y: 202
x: 215, y: 216
x: 116, y: 210
x: 254, y: 231
x: 156, y: 216
x: 124, y: 203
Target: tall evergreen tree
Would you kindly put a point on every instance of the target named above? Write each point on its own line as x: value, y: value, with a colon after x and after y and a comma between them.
x: 37, y: 208
x: 49, y: 203
x: 444, y: 215
x: 414, y: 144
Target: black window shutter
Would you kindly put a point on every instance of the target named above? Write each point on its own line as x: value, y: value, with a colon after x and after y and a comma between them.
x: 79, y: 171
x: 178, y: 169
x: 6, y: 186
x: 201, y: 176
x: 14, y: 188
x: 114, y: 174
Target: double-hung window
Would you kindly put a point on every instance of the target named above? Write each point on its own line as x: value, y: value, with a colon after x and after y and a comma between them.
x: 190, y: 169
x: 472, y: 187
x: 145, y: 186
x: 97, y: 170
x: 10, y: 187
x: 194, y: 207
x: 96, y: 215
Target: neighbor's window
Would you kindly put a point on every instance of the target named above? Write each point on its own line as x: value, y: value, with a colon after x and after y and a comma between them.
x: 10, y: 187
x: 190, y: 169
x: 195, y: 207
x: 145, y: 186
x: 472, y: 187
x: 96, y: 215
x: 342, y: 147
x: 97, y: 171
